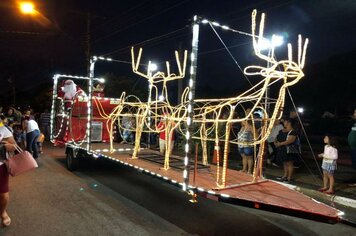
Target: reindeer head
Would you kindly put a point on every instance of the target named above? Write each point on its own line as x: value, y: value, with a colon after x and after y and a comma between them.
x: 288, y: 70
x: 159, y: 76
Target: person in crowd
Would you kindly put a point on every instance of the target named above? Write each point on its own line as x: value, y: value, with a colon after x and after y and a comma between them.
x: 18, y: 135
x: 245, y: 139
x: 8, y: 144
x: 25, y: 117
x: 287, y: 148
x: 329, y: 156
x: 352, y: 143
x: 32, y: 134
x: 299, y: 129
x: 272, y: 150
x: 10, y: 115
x: 163, y: 136
x: 5, y: 122
x: 10, y: 125
x: 128, y: 123
x: 45, y: 124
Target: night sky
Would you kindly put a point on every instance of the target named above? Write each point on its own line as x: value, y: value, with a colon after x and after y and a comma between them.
x: 32, y: 49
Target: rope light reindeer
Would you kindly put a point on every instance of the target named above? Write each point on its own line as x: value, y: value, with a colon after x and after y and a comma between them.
x: 215, y: 115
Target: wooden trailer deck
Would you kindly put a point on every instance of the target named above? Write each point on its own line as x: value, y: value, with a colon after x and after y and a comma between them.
x: 265, y: 194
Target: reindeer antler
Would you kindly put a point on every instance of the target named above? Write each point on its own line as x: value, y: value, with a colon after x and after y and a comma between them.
x: 160, y: 76
x: 257, y: 42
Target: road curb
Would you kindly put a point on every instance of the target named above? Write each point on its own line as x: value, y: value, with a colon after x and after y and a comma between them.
x: 333, y: 198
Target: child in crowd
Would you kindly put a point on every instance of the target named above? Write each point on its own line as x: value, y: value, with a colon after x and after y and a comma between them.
x: 329, y: 156
x: 40, y: 141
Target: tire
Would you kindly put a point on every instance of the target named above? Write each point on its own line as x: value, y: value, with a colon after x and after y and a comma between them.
x: 71, y: 161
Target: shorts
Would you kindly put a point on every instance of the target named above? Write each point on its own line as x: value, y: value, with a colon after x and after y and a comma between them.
x: 290, y: 157
x: 4, y: 179
x: 329, y: 167
x: 247, y: 151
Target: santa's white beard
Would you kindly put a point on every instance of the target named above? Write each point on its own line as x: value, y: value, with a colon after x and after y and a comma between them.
x: 69, y: 91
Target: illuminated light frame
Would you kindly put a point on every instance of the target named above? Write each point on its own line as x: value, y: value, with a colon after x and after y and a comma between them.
x: 191, y: 95
x: 54, y: 97
x: 93, y: 60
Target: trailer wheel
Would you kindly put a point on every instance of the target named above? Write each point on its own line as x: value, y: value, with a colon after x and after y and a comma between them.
x: 71, y: 161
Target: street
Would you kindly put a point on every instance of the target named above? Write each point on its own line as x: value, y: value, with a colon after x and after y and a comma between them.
x: 103, y: 198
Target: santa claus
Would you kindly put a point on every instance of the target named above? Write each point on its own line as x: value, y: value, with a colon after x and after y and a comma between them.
x: 69, y: 91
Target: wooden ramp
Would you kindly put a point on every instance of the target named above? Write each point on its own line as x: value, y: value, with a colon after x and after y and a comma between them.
x: 264, y: 194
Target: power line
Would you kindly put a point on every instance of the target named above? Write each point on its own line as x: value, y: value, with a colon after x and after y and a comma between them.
x: 141, y: 21
x: 159, y: 37
x: 229, y: 52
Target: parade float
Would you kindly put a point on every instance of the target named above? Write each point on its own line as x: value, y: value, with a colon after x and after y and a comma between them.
x: 86, y: 123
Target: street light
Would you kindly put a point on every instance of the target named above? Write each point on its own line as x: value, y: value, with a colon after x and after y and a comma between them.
x: 150, y: 68
x: 275, y: 41
x: 266, y: 44
x: 27, y: 8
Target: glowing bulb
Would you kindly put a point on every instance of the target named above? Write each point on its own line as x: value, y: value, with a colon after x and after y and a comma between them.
x: 27, y: 8
x: 277, y: 40
x: 152, y: 67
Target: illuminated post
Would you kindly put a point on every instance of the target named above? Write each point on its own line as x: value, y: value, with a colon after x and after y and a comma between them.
x: 151, y: 68
x: 264, y: 44
x: 54, y: 96
x: 89, y: 104
x: 191, y: 94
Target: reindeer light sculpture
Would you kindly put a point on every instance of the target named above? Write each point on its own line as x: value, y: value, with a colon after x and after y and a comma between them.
x: 211, y: 114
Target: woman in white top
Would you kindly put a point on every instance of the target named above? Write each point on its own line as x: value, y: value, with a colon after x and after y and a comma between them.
x: 329, y: 156
x: 32, y: 133
x: 8, y: 144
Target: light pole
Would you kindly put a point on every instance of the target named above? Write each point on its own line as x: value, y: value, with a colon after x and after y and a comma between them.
x: 264, y: 44
x: 150, y: 69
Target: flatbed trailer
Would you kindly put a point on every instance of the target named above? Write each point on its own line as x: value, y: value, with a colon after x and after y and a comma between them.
x: 264, y: 194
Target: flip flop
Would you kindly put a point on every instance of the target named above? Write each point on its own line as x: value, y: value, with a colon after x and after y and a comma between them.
x: 322, y: 189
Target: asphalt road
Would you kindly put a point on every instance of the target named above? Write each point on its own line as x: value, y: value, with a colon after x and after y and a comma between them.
x: 103, y: 198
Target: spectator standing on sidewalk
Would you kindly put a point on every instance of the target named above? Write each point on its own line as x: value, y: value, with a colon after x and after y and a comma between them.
x: 352, y: 143
x: 272, y: 150
x: 329, y: 156
x: 32, y: 134
x: 287, y: 148
x: 7, y: 145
